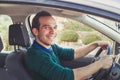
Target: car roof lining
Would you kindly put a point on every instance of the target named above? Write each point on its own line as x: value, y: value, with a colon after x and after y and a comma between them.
x: 30, y: 9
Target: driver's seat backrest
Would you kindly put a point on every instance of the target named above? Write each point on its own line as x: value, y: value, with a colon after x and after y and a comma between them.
x: 18, y: 36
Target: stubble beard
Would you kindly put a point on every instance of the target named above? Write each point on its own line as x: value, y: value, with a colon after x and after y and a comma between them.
x: 45, y: 42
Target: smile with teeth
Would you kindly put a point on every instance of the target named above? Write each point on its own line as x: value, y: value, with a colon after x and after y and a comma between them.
x: 51, y: 37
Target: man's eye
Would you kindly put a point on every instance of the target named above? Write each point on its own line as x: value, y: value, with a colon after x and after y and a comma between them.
x: 45, y: 27
x: 49, y: 27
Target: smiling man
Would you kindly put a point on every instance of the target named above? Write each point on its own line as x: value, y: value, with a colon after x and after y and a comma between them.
x: 43, y: 56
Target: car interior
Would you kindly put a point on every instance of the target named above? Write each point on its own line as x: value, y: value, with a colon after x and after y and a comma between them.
x: 12, y: 63
x: 13, y: 67
x: 15, y: 61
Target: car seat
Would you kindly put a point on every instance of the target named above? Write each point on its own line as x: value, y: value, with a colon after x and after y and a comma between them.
x: 18, y: 37
x: 2, y: 55
x: 1, y: 44
x: 4, y: 75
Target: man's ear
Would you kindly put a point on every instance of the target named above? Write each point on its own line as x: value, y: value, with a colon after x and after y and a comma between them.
x: 35, y: 31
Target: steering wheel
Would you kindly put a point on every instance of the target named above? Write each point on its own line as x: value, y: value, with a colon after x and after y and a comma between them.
x: 97, y: 55
x: 103, y: 73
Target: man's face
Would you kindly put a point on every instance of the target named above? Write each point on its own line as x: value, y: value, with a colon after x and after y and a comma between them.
x: 46, y: 33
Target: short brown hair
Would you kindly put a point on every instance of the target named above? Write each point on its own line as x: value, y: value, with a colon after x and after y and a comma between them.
x: 35, y: 22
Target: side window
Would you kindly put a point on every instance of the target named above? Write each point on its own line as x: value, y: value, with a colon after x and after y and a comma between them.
x: 5, y: 21
x: 75, y: 34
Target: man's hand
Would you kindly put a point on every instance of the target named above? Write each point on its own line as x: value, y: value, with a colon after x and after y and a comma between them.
x: 102, y: 44
x: 106, y: 61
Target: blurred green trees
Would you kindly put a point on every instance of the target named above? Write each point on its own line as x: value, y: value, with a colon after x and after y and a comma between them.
x: 76, y: 26
x: 90, y: 38
x: 69, y: 36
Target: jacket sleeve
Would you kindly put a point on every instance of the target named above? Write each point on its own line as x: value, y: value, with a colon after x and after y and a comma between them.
x: 63, y: 53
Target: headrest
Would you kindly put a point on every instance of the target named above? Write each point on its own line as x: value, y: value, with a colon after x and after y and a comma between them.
x: 1, y: 44
x: 18, y: 35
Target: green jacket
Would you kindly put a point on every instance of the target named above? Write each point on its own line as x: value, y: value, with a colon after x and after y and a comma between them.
x: 46, y: 65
